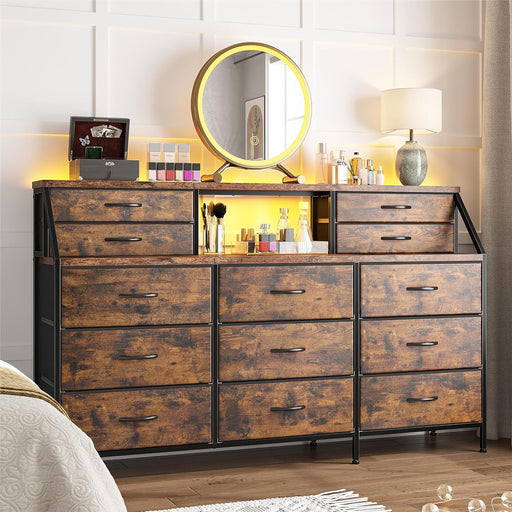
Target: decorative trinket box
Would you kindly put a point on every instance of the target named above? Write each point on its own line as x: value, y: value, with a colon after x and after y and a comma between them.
x: 98, y: 148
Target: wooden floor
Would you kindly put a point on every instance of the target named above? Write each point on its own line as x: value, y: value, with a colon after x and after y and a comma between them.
x: 399, y: 472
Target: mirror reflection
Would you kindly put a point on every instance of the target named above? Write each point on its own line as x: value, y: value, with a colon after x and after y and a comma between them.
x: 253, y: 105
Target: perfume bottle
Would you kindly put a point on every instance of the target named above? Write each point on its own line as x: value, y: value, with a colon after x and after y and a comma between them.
x: 303, y: 239
x: 283, y: 222
x: 321, y: 164
x: 343, y: 172
x: 356, y: 164
x: 380, y: 176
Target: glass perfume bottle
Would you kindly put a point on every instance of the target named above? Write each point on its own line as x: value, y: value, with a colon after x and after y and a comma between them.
x: 303, y: 239
x: 283, y: 222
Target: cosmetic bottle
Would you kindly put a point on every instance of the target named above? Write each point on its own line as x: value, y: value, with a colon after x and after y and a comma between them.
x: 380, y: 176
x: 264, y: 238
x: 303, y: 239
x: 152, y: 171
x: 169, y: 171
x: 154, y: 152
x: 178, y: 172
x: 356, y: 163
x: 333, y: 167
x: 343, y: 172
x: 160, y: 171
x: 283, y: 223
x: 184, y: 153
x: 322, y: 162
x: 169, y: 153
x: 372, y: 173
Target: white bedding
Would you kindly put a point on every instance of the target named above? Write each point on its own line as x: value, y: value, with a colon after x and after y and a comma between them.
x: 47, y: 464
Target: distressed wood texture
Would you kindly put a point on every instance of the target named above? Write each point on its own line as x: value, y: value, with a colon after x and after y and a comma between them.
x: 85, y: 239
x: 245, y: 409
x: 267, y: 293
x: 419, y: 238
x: 384, y: 399
x: 116, y: 358
x: 456, y: 289
x: 104, y: 205
x: 103, y: 297
x: 282, y: 351
x: 183, y: 417
x: 394, y: 345
x: 367, y: 207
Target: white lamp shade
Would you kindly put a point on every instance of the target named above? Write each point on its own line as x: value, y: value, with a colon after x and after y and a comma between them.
x: 418, y: 109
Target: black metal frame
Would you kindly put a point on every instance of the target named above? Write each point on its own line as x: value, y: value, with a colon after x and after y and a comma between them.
x: 45, y: 243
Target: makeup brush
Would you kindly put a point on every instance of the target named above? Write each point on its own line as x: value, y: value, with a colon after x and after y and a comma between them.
x: 219, y: 210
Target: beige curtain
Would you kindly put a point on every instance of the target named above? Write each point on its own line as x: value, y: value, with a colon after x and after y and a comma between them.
x: 497, y: 212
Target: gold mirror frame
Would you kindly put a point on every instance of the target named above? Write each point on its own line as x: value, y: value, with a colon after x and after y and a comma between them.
x: 206, y: 136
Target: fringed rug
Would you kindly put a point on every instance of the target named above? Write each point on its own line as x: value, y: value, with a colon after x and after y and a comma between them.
x: 333, y: 501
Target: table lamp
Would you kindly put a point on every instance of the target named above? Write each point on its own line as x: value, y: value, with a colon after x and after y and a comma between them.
x: 411, y: 109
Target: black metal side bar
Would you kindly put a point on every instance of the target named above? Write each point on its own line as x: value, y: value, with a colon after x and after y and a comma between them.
x: 459, y: 204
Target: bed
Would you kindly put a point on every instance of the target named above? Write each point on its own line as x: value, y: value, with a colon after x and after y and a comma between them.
x: 46, y: 462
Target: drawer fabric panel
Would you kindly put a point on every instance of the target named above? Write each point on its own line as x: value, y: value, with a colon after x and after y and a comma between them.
x: 116, y: 358
x: 396, y: 401
x: 394, y: 238
x: 385, y: 207
x: 118, y: 420
x: 282, y: 351
x: 403, y: 345
x: 288, y: 292
x: 101, y: 297
x: 281, y: 409
x: 97, y: 205
x: 421, y: 289
x: 124, y: 239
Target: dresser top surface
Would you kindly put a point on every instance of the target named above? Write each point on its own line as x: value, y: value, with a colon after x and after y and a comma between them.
x: 209, y: 187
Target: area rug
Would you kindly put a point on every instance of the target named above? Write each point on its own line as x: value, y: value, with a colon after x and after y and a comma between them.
x: 333, y: 501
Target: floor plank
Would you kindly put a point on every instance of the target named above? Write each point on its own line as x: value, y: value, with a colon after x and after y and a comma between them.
x: 401, y: 472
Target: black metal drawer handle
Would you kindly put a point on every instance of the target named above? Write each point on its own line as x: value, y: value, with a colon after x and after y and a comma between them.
x: 123, y: 205
x: 137, y: 358
x: 422, y: 343
x: 395, y: 207
x: 139, y: 418
x: 396, y: 238
x: 287, y: 292
x: 422, y: 288
x: 137, y: 295
x: 425, y: 399
x: 285, y: 350
x: 123, y: 239
x: 286, y: 409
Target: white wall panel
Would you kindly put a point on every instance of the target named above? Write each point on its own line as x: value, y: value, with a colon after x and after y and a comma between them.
x: 347, y: 84
x: 451, y: 19
x: 279, y: 13
x: 180, y: 9
x: 151, y: 76
x: 457, y: 74
x: 47, y: 71
x: 67, y: 5
x: 355, y: 15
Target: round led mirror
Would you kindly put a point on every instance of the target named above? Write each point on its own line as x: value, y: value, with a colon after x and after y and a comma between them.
x: 251, y: 106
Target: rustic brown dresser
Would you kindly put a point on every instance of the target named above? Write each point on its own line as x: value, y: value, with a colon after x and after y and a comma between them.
x: 152, y: 346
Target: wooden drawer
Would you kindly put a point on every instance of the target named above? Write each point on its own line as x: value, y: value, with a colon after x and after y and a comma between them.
x: 282, y: 409
x: 288, y: 292
x: 101, y: 205
x: 282, y: 351
x: 117, y: 358
x: 403, y: 345
x: 385, y: 207
x: 124, y: 239
x: 101, y: 297
x: 396, y: 401
x: 394, y: 238
x: 421, y: 289
x: 118, y: 420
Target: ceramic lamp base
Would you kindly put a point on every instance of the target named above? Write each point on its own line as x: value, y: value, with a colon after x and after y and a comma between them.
x: 411, y: 163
